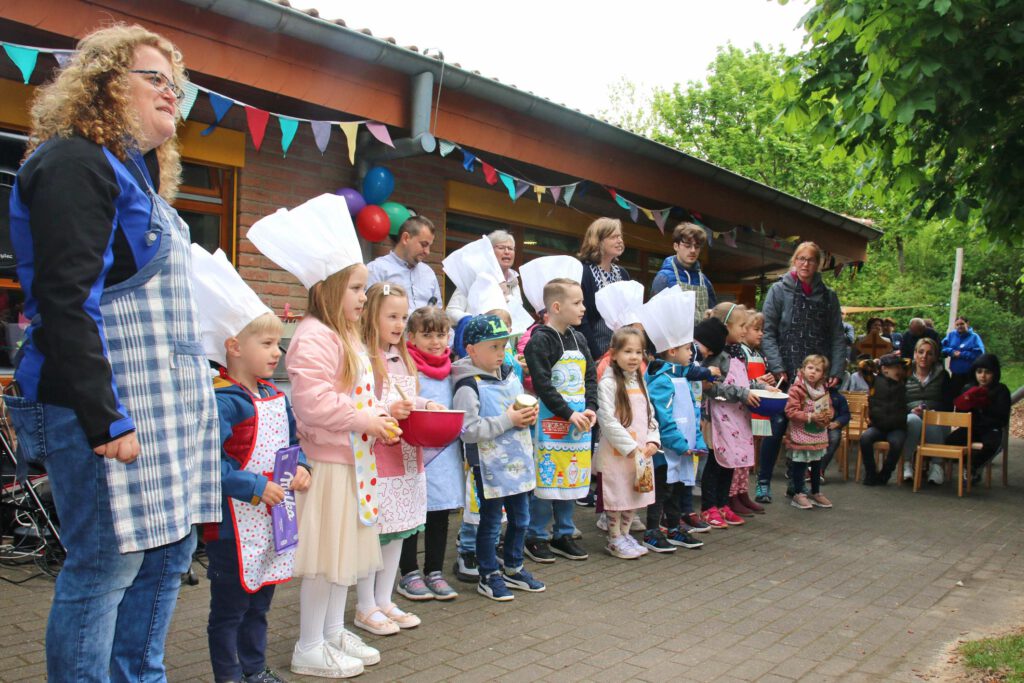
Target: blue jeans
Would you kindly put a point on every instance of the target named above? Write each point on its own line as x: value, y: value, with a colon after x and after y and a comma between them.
x: 541, y: 512
x: 467, y: 538
x: 770, y: 448
x: 517, y: 513
x: 237, y: 629
x: 835, y: 440
x: 111, y: 611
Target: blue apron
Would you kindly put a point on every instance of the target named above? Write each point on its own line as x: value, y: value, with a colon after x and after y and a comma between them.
x: 682, y: 467
x: 506, y: 463
x: 445, y: 480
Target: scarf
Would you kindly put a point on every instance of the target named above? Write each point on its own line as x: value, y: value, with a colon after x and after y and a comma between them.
x: 434, y: 367
x: 806, y: 286
x: 735, y: 351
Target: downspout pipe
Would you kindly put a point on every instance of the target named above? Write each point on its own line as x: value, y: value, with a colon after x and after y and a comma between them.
x: 420, y: 141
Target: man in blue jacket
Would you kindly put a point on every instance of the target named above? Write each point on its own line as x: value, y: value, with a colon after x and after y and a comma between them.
x: 962, y: 346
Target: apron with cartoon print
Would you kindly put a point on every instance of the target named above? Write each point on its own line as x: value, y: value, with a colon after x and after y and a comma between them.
x: 563, y: 453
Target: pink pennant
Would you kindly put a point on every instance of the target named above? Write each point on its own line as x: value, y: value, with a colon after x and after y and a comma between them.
x: 659, y: 219
x: 380, y: 131
x: 730, y: 238
x: 556, y: 192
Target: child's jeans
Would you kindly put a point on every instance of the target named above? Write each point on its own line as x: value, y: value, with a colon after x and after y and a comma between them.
x: 237, y: 629
x: 517, y: 513
x: 467, y: 538
x: 835, y: 440
x: 541, y: 512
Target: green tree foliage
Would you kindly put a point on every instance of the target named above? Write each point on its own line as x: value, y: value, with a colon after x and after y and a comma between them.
x: 926, y: 95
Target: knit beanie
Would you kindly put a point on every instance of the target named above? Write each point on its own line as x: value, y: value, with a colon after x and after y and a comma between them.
x: 711, y: 332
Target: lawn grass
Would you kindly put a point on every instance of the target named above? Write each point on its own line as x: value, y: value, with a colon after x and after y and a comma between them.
x: 1001, y: 657
x: 1013, y: 375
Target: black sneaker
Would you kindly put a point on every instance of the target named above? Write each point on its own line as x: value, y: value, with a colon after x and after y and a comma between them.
x: 265, y: 676
x: 466, y: 568
x: 654, y: 540
x: 538, y: 551
x: 680, y: 538
x: 587, y: 501
x: 568, y: 548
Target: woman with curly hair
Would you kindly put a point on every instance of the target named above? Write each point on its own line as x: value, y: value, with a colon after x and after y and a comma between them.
x: 116, y: 399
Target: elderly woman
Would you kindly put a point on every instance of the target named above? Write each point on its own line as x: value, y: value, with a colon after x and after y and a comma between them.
x: 928, y: 388
x: 115, y: 387
x: 602, y: 246
x: 801, y: 317
x: 505, y: 251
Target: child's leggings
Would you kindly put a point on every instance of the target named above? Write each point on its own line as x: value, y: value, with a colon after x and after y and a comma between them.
x: 740, y: 481
x: 618, y: 522
x: 797, y: 471
x: 714, y: 485
x: 435, y: 541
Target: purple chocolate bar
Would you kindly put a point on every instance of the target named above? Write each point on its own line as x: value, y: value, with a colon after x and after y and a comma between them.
x: 286, y: 525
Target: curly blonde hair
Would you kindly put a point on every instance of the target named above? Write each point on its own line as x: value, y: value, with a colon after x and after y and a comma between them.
x: 91, y: 97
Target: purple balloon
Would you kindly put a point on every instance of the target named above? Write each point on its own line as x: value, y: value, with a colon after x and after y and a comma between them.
x: 355, y: 201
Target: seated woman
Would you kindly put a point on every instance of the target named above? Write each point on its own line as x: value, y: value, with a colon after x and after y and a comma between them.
x: 988, y: 401
x: 928, y: 388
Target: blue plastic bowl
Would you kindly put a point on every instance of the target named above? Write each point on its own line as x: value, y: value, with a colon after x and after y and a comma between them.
x: 772, y: 402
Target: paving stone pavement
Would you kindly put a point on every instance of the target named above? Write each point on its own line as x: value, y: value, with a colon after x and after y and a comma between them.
x: 864, y: 592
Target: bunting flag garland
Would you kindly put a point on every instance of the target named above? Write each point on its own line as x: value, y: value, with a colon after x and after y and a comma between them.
x: 350, y: 129
x: 490, y: 175
x: 445, y: 148
x: 509, y: 184
x: 539, y: 191
x: 24, y: 58
x: 569, y: 191
x: 288, y: 128
x: 63, y: 57
x: 220, y: 105
x: 730, y: 238
x: 468, y: 159
x: 185, y: 105
x: 321, y: 134
x: 257, y: 120
x: 839, y: 269
x: 555, y: 192
x: 380, y: 131
x: 659, y: 219
x: 521, y: 187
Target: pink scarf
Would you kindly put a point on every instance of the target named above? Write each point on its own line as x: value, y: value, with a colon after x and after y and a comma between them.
x: 806, y: 286
x: 434, y: 367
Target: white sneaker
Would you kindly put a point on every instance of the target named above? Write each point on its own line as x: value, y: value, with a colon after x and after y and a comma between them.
x: 325, y: 661
x: 353, y: 646
x: 621, y: 548
x: 935, y: 474
x: 637, y: 546
x: 637, y: 524
x: 602, y: 522
x: 908, y: 472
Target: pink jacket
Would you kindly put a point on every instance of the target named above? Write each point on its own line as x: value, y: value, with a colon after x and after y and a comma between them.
x: 325, y: 414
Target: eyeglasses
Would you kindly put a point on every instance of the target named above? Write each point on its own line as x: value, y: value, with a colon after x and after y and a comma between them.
x: 805, y: 259
x: 689, y: 245
x: 160, y: 82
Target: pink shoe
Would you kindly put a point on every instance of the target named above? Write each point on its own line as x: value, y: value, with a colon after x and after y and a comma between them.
x: 713, y: 518
x: 730, y: 517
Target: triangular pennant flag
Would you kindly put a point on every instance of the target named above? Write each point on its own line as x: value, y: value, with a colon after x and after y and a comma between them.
x: 762, y: 230
x: 853, y: 271
x: 648, y: 213
x: 445, y: 147
x: 570, y: 190
x: 710, y: 234
x: 63, y: 57
x: 539, y: 191
x: 839, y: 269
x: 350, y: 129
x: 490, y: 175
x: 555, y: 192
x: 257, y: 120
x: 634, y: 212
x: 730, y: 238
x: 321, y: 134
x: 380, y: 131
x: 521, y: 187
x: 468, y: 159
x: 509, y: 184
x: 621, y: 201
x: 24, y: 58
x: 220, y: 106
x: 659, y: 219
x: 186, y: 102
x: 288, y: 128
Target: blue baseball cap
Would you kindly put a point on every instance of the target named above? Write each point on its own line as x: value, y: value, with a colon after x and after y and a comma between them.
x: 485, y: 328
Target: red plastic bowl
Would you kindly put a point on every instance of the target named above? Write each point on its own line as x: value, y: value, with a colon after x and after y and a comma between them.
x: 432, y: 428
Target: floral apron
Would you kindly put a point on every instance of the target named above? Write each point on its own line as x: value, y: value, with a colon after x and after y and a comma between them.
x: 734, y: 442
x: 402, y: 484
x: 563, y: 453
x: 259, y: 563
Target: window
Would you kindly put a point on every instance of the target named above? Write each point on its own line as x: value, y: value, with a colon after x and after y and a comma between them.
x: 206, y: 201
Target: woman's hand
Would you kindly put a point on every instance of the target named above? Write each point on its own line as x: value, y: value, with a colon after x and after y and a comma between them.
x: 402, y: 409
x: 124, y: 449
x: 301, y: 480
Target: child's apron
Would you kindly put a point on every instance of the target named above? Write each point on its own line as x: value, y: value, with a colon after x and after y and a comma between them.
x: 618, y: 470
x: 759, y: 424
x: 445, y: 480
x: 682, y: 467
x: 563, y: 453
x: 259, y: 563
x: 734, y: 443
x: 402, y: 485
x: 362, y: 446
x: 506, y: 463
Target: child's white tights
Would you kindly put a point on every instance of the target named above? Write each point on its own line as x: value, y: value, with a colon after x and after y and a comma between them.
x: 321, y: 611
x: 375, y: 591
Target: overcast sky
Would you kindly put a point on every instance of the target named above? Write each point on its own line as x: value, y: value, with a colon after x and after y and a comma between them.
x: 571, y: 51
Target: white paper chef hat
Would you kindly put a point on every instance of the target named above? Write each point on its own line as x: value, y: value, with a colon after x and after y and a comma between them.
x: 537, y: 273
x: 668, y: 318
x: 312, y: 241
x: 465, y: 264
x: 619, y: 303
x: 486, y: 295
x: 226, y: 304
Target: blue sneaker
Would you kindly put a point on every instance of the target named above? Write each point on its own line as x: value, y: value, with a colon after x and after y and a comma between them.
x: 493, y: 586
x: 680, y: 538
x: 523, y: 580
x: 763, y: 492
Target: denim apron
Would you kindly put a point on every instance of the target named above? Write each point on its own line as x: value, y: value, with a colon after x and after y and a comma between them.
x: 259, y: 563
x: 563, y: 453
x: 445, y: 480
x: 506, y: 463
x: 156, y: 353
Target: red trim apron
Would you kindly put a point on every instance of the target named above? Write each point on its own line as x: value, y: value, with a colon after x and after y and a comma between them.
x: 759, y: 424
x: 259, y: 564
x: 402, y: 486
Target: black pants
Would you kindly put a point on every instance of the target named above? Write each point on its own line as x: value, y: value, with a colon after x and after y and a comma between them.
x: 868, y: 439
x: 714, y: 485
x: 435, y: 541
x: 796, y: 476
x: 990, y: 441
x: 671, y: 501
x: 237, y: 629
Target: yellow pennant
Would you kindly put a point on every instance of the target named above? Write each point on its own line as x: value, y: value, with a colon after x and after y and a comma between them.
x: 350, y: 130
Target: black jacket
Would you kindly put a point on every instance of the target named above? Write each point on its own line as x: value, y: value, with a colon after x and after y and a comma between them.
x: 887, y: 404
x: 542, y: 352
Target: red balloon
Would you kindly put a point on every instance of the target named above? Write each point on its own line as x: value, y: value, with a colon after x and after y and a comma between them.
x: 373, y: 223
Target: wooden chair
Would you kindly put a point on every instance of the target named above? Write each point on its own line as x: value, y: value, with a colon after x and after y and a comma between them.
x: 858, y: 401
x: 934, y: 450
x: 1005, y: 449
